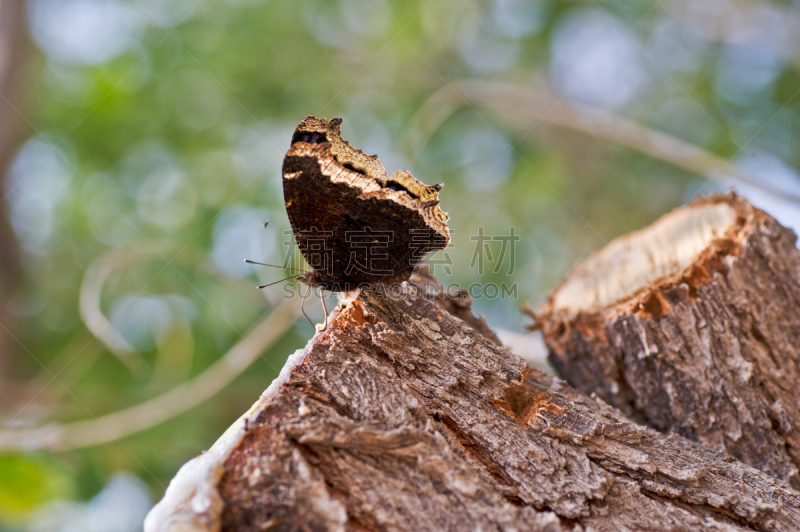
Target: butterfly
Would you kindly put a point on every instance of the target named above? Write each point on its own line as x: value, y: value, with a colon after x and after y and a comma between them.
x: 355, y: 225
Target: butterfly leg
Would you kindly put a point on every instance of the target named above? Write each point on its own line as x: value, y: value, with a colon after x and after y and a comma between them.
x: 324, y: 308
x: 303, y: 302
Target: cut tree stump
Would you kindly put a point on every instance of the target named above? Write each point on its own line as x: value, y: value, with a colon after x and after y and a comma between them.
x: 692, y: 326
x: 407, y: 414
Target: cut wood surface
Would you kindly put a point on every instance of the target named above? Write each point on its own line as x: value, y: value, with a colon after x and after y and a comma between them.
x: 692, y: 326
x: 407, y: 414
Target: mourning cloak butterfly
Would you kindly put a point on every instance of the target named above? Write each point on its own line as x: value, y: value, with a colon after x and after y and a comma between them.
x: 354, y: 224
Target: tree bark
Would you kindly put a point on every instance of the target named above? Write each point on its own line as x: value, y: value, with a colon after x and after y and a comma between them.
x: 407, y: 414
x: 13, y: 59
x: 13, y: 65
x: 700, y: 339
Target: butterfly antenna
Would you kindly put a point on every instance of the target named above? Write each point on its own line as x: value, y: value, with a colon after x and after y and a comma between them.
x: 248, y: 261
x: 276, y: 282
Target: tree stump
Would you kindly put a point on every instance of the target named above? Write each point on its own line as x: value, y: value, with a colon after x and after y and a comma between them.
x: 692, y: 326
x: 407, y: 414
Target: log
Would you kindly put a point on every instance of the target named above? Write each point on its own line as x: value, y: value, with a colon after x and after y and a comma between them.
x: 407, y: 414
x: 692, y: 326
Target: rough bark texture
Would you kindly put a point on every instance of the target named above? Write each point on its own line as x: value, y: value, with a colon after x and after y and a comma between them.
x: 407, y: 414
x: 711, y: 352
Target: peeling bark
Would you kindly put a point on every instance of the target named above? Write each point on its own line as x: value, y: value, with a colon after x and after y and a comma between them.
x: 407, y: 414
x: 711, y: 350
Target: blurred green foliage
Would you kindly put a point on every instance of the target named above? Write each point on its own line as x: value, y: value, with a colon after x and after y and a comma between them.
x: 163, y: 125
x: 28, y: 480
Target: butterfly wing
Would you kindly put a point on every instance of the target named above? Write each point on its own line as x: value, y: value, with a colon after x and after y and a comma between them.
x: 352, y: 224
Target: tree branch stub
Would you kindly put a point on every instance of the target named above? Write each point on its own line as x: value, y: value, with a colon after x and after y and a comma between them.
x: 697, y: 334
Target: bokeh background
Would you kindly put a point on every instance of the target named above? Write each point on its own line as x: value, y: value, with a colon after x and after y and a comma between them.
x: 140, y: 151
